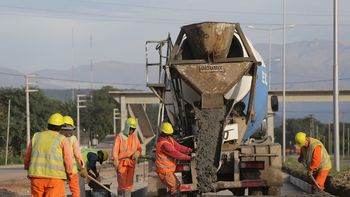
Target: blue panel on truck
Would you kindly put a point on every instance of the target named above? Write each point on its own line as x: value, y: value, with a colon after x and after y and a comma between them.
x: 260, y: 101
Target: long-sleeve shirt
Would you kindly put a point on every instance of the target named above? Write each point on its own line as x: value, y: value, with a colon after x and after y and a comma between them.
x: 92, y: 160
x: 316, y: 158
x: 76, y: 151
x: 67, y: 156
x: 176, y: 151
x: 121, y: 145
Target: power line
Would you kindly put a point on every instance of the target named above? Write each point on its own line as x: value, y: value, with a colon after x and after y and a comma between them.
x: 119, y: 18
x: 75, y: 81
x: 314, y: 81
x: 204, y: 10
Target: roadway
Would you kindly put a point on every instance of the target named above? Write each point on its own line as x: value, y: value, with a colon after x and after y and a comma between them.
x: 14, y: 178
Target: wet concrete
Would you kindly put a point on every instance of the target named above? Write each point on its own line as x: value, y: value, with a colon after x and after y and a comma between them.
x: 209, y: 122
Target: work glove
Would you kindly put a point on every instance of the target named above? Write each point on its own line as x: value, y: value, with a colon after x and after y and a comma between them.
x: 98, y: 179
x: 116, y: 164
x: 300, y: 160
x: 309, y: 173
x: 135, y: 156
x: 69, y: 177
x: 83, y: 172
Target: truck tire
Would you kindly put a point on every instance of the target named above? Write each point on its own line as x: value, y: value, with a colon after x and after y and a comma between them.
x: 256, y: 191
x: 238, y: 191
x: 162, y: 192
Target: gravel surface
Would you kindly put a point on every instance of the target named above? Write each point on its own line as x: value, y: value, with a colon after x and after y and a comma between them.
x: 209, y: 122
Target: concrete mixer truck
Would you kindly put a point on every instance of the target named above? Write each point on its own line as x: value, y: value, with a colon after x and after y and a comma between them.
x: 213, y: 87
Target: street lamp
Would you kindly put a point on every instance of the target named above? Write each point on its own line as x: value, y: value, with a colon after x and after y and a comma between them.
x: 269, y: 31
x: 28, y: 90
x: 336, y: 87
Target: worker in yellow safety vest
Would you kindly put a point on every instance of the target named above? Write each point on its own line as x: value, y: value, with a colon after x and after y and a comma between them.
x: 314, y: 157
x: 48, y: 160
x: 78, y: 164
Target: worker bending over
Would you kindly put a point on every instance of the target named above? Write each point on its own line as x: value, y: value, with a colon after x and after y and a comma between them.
x: 167, y: 152
x: 78, y: 164
x: 48, y: 160
x: 126, y: 150
x: 314, y: 157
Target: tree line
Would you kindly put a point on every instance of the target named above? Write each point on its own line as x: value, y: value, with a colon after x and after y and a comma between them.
x: 95, y: 118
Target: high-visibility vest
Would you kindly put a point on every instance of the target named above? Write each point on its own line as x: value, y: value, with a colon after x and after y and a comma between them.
x: 127, y: 147
x: 71, y: 140
x: 325, y: 164
x: 84, y: 154
x: 47, y: 156
x: 163, y: 162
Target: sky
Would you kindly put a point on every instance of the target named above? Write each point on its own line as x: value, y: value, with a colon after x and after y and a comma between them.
x: 59, y: 34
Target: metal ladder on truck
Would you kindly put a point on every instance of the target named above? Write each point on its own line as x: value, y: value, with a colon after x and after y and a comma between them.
x: 161, y: 85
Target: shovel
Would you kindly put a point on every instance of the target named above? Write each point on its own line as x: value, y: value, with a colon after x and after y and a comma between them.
x: 100, y: 184
x: 313, y: 179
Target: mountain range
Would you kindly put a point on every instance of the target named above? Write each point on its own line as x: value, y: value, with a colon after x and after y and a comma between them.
x: 309, y: 65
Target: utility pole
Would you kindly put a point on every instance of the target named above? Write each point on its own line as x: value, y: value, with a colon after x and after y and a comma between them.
x: 317, y: 136
x: 312, y: 133
x: 8, y: 130
x: 284, y: 83
x: 91, y: 64
x: 329, y: 137
x: 343, y: 136
x: 335, y: 87
x: 116, y: 116
x: 27, y: 78
x: 348, y: 143
x: 73, y: 63
x: 79, y: 102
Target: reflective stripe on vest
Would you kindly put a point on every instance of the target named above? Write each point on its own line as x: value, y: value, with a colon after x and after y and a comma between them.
x: 74, y: 161
x: 126, y: 151
x: 325, y: 163
x: 47, y: 155
x: 163, y: 162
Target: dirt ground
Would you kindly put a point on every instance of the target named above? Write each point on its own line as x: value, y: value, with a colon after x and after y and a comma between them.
x: 18, y: 186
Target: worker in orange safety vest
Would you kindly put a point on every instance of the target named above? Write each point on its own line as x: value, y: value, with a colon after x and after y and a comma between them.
x: 167, y: 152
x: 48, y: 160
x: 314, y: 157
x: 125, y: 153
x: 78, y: 164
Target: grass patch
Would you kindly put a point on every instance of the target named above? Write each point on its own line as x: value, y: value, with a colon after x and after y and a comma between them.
x: 10, y: 158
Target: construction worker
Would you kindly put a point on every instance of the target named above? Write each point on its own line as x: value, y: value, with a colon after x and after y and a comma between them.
x: 126, y: 150
x: 314, y: 157
x: 167, y: 152
x: 78, y: 164
x: 91, y: 157
x: 48, y: 160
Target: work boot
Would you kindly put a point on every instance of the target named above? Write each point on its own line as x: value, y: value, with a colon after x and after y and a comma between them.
x: 121, y: 194
x: 127, y: 194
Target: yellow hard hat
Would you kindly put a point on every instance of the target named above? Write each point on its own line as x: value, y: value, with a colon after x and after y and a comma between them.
x: 56, y: 119
x: 300, y: 139
x: 132, y: 122
x: 167, y: 128
x: 69, y: 121
x: 105, y: 155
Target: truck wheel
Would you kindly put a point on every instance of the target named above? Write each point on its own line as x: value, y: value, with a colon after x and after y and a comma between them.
x: 238, y: 191
x: 162, y: 192
x: 274, y: 191
x: 256, y: 191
